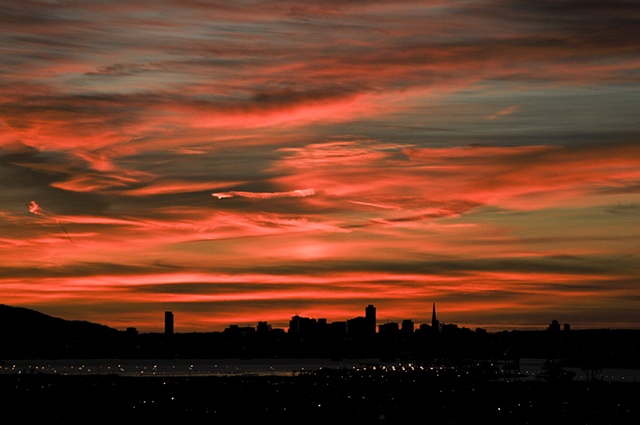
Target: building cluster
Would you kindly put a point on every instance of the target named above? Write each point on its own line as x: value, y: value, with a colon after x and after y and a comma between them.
x: 357, y: 337
x: 361, y: 326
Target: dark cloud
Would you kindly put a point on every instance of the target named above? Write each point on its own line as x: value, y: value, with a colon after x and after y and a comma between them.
x: 624, y: 208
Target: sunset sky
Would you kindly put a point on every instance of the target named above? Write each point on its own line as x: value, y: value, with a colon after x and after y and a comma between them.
x: 247, y: 161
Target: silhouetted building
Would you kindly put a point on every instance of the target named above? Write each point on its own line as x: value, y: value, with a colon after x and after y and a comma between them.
x: 554, y: 326
x: 435, y: 323
x: 407, y: 328
x: 370, y: 315
x: 424, y: 328
x: 337, y: 330
x: 358, y: 326
x: 363, y: 326
x: 168, y: 323
x: 302, y: 326
x: 449, y: 328
x: 389, y: 330
x: 239, y: 331
x: 263, y: 327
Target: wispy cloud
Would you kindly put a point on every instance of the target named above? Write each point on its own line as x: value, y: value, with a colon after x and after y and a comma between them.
x: 504, y: 112
x: 297, y: 193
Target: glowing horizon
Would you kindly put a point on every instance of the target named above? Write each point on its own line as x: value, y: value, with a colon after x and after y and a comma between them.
x: 250, y: 161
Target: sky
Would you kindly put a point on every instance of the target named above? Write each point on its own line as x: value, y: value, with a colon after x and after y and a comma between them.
x: 246, y: 161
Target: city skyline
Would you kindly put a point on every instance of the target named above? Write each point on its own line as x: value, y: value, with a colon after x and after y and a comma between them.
x: 248, y: 161
x: 368, y: 322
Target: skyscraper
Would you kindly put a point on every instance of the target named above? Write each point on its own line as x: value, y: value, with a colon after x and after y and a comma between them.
x: 435, y: 324
x: 370, y: 316
x: 168, y: 323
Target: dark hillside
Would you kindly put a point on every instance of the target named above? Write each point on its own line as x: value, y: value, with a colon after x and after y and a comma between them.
x: 26, y: 333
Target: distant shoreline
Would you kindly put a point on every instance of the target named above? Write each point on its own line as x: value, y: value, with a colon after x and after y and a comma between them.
x: 529, y: 369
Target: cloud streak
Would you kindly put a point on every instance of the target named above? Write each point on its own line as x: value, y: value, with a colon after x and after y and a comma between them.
x: 34, y: 208
x: 298, y: 193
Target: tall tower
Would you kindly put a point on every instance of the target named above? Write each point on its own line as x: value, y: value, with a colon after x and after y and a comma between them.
x: 168, y: 323
x: 435, y: 324
x: 370, y: 316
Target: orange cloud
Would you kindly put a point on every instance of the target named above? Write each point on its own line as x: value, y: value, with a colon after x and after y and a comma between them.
x: 298, y: 193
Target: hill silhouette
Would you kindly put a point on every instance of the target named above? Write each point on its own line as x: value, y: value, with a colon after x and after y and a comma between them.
x: 27, y: 333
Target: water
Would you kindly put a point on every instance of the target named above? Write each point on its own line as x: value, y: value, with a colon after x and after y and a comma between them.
x: 533, y: 368
x: 175, y: 367
x: 529, y: 368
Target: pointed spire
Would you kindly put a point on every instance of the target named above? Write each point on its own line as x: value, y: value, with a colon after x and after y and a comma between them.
x: 435, y: 324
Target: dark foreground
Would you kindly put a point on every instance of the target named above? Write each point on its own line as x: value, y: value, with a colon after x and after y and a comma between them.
x: 345, y: 397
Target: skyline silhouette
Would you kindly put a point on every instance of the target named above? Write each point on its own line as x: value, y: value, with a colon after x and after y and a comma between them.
x: 370, y: 320
x: 30, y: 334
